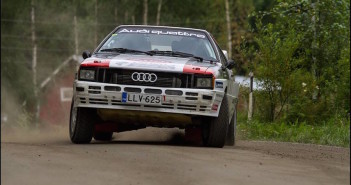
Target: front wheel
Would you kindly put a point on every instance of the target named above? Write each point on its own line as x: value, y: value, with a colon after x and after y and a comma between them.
x: 81, y: 125
x: 214, y: 133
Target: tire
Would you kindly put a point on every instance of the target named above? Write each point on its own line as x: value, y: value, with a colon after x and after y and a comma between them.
x: 81, y: 125
x: 230, y: 141
x: 215, y: 132
x: 103, y: 136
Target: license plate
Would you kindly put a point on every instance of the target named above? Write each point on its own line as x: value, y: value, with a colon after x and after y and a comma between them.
x: 140, y: 98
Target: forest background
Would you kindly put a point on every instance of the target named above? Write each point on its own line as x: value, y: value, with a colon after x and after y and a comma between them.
x: 298, y: 51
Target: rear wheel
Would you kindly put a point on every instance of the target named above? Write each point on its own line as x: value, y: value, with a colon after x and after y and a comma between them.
x: 214, y: 133
x: 81, y: 125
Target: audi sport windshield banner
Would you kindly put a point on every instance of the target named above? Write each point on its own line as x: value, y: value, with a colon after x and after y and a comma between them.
x: 162, y: 32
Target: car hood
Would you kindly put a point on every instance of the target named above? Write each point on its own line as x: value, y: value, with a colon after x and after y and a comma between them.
x: 151, y: 63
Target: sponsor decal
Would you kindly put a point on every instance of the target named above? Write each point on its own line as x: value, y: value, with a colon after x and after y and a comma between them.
x: 195, y: 69
x: 124, y: 97
x: 95, y: 63
x: 163, y: 32
x: 219, y: 85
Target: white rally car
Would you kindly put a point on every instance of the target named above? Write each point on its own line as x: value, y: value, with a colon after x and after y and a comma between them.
x: 157, y: 76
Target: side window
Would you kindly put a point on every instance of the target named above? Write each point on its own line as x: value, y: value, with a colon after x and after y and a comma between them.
x: 221, y: 55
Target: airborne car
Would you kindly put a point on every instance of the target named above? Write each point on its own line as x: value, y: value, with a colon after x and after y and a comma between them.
x: 157, y: 76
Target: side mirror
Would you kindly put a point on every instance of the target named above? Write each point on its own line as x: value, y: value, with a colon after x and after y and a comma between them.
x: 86, y: 54
x: 225, y: 52
x: 230, y: 64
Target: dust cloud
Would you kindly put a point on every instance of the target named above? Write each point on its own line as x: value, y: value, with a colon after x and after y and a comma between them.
x: 15, y: 124
x: 57, y: 134
x: 16, y: 127
x: 34, y: 135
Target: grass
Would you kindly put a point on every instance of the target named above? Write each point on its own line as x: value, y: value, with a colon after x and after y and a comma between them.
x: 332, y: 132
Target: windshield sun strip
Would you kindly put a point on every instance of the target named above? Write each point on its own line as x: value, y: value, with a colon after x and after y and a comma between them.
x: 207, y: 36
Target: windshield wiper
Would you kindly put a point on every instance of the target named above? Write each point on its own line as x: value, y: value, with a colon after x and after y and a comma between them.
x: 126, y: 50
x: 176, y: 54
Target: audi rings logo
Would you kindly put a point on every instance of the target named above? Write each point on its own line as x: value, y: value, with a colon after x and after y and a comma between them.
x: 144, y: 77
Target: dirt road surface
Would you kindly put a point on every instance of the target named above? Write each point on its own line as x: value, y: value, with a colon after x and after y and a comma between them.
x: 160, y: 156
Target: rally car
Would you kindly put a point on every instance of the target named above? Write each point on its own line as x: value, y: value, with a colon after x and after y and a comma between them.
x: 141, y: 76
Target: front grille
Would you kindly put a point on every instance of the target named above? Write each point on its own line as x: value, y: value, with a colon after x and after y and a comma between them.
x: 131, y: 89
x: 164, y: 79
x: 153, y: 91
x: 123, y: 77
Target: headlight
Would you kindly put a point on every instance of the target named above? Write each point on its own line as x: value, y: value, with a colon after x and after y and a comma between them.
x: 86, y: 74
x: 204, y: 82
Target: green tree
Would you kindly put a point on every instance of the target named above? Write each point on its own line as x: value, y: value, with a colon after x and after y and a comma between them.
x: 315, y: 36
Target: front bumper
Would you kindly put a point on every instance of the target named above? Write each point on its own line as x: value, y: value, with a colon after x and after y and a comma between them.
x: 109, y: 96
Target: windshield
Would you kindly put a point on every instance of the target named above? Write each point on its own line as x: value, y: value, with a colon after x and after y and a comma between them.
x: 155, y: 39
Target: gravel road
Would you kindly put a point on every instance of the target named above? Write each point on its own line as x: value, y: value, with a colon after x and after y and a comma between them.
x: 160, y: 156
